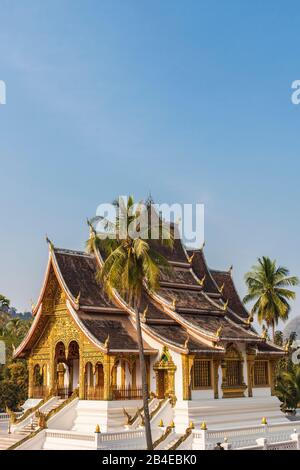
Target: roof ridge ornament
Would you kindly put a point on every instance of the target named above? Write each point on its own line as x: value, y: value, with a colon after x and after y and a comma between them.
x: 225, y: 306
x: 230, y: 269
x: 190, y: 258
x: 219, y: 332
x: 51, y: 246
x: 92, y: 230
x: 77, y: 300
x: 174, y: 303
x: 221, y: 289
x: 201, y: 281
x: 249, y: 319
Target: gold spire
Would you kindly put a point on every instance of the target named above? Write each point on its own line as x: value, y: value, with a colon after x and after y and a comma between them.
x: 203, y: 426
x: 191, y: 258
x: 201, y: 281
x: 106, y: 344
x: 144, y: 316
x: 225, y: 306
x: 219, y: 332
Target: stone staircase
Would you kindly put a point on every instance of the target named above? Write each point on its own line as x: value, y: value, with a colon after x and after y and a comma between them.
x: 8, y: 440
x: 33, y: 424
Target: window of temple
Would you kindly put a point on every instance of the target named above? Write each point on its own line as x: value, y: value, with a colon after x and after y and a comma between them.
x: 234, y: 372
x: 261, y: 373
x: 201, y: 374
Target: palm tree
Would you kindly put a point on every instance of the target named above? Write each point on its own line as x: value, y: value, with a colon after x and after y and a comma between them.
x: 130, y: 262
x: 268, y: 288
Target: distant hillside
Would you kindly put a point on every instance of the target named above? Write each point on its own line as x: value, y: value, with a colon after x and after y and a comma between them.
x: 292, y: 325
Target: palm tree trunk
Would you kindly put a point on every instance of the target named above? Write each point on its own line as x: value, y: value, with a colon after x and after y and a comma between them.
x: 273, y: 331
x: 144, y: 380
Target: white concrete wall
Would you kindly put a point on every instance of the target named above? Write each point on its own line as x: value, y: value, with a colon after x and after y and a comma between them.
x: 261, y: 391
x: 202, y: 394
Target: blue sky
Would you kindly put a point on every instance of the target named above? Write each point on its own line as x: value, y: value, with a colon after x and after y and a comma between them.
x: 191, y: 100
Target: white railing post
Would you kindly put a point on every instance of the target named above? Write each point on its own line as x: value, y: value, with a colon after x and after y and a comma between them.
x: 262, y: 442
x: 97, y: 437
x: 226, y: 445
x: 296, y: 437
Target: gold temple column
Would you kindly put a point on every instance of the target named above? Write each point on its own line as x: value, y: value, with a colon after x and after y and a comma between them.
x: 187, y: 364
x: 30, y: 378
x: 216, y: 365
x: 250, y: 365
x: 81, y: 377
x: 52, y: 372
x: 108, y: 364
x: 272, y: 375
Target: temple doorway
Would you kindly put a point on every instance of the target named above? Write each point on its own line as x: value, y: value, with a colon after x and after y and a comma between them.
x: 162, y: 383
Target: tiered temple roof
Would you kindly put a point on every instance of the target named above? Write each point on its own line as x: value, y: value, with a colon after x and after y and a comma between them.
x: 196, y: 309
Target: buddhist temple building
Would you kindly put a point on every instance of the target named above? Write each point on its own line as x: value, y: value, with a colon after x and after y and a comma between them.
x: 199, y: 341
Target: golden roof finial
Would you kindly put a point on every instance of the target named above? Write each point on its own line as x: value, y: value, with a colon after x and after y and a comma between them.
x: 106, y: 343
x: 174, y: 303
x: 144, y: 316
x: 219, y: 332
x: 201, y: 281
x: 221, y: 289
x: 97, y: 430
x: 191, y: 258
x: 264, y: 420
x: 92, y: 230
x: 203, y: 426
x: 225, y: 306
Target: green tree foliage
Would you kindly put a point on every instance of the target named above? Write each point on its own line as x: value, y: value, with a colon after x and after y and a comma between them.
x: 268, y: 288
